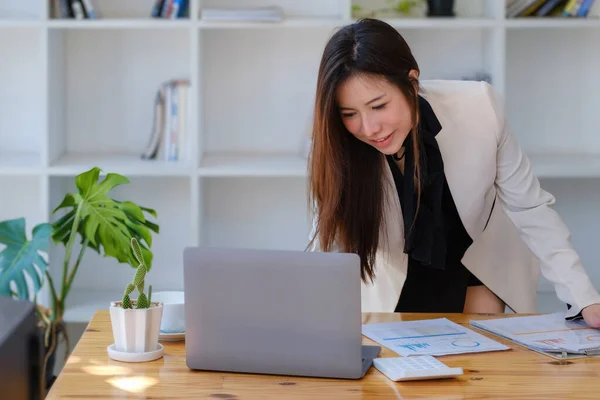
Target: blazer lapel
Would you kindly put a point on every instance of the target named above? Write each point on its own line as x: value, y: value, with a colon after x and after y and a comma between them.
x: 463, y: 160
x: 392, y: 233
x: 384, y: 292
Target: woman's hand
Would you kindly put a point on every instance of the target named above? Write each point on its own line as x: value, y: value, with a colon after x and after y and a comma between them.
x: 591, y: 315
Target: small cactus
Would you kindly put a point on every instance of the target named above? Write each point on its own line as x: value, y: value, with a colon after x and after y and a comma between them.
x: 138, y: 281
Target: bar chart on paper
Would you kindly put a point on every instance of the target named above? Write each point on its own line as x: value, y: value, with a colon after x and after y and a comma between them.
x: 414, y: 346
x: 434, y: 337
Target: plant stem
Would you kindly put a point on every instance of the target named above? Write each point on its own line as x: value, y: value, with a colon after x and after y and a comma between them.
x: 43, y: 317
x: 72, y: 236
x: 55, y: 300
x: 74, y: 270
x: 49, y: 352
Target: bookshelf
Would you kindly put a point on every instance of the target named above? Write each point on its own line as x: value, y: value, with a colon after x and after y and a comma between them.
x: 79, y: 93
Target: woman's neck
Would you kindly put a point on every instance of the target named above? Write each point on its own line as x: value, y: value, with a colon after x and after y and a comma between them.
x: 399, y: 159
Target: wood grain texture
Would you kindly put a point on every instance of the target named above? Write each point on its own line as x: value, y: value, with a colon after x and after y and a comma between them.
x: 514, y: 374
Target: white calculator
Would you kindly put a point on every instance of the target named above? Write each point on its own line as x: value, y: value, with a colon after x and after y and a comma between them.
x: 414, y: 368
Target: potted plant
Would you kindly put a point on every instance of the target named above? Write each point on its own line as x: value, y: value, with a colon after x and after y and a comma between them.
x: 91, y: 220
x: 136, y: 323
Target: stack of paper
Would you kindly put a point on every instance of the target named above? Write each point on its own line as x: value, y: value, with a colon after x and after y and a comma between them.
x: 435, y: 337
x: 271, y: 14
x: 549, y: 334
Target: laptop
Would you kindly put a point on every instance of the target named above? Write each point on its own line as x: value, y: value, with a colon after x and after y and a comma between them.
x: 278, y: 312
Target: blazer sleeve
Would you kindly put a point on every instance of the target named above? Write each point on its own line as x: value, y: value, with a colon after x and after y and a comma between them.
x: 539, y: 225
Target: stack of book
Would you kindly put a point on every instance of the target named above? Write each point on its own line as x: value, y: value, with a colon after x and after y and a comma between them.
x: 77, y: 9
x: 169, y: 136
x: 88, y: 9
x: 553, y: 8
x: 170, y: 9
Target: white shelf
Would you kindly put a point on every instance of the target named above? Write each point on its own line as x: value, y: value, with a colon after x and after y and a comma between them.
x: 554, y: 23
x: 258, y: 165
x: 286, y: 23
x: 444, y: 23
x: 141, y: 23
x: 120, y: 24
x: 8, y: 23
x: 399, y: 23
x: 126, y: 164
x: 405, y: 23
x: 566, y: 165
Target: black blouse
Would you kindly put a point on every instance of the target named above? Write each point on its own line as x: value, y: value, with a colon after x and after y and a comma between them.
x: 431, y: 288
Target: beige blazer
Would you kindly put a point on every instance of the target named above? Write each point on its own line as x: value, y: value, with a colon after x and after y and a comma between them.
x: 516, y: 234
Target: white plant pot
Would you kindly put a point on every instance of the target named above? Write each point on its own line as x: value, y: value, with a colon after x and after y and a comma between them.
x: 136, y: 330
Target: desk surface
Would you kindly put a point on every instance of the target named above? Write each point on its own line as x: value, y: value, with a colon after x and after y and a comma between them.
x: 517, y: 373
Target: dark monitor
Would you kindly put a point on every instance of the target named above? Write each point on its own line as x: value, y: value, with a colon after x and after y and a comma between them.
x: 20, y: 350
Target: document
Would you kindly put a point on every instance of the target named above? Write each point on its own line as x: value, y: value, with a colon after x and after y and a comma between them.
x: 550, y: 334
x: 435, y: 337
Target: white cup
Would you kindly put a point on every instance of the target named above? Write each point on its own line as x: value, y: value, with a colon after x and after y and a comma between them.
x: 173, y: 317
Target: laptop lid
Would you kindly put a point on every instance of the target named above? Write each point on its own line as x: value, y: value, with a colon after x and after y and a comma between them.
x: 273, y: 312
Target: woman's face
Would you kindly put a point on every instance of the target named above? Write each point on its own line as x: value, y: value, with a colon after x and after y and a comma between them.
x: 375, y: 112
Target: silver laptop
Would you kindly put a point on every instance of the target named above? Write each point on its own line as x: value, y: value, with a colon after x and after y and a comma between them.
x: 274, y: 312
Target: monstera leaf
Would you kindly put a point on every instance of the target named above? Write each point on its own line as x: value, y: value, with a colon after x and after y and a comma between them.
x: 104, y: 224
x: 22, y: 257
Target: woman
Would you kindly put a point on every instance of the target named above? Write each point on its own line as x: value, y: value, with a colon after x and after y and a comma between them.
x: 424, y: 181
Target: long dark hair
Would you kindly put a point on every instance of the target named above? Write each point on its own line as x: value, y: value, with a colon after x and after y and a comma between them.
x: 345, y: 174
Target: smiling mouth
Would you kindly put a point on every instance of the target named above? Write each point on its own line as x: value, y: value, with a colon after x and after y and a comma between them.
x: 383, y: 139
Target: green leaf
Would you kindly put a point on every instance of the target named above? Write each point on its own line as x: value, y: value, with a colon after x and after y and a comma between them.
x: 150, y: 211
x: 87, y: 183
x: 68, y: 201
x: 22, y: 256
x: 62, y: 230
x: 140, y: 231
x: 137, y: 223
x: 133, y: 210
x: 108, y: 224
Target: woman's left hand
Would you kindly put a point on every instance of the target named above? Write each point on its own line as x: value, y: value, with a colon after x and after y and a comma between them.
x: 591, y: 315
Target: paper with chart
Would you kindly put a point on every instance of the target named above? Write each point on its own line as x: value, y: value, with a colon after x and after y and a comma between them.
x: 547, y: 333
x: 435, y: 337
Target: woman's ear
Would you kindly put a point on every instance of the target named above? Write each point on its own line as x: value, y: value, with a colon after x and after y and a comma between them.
x: 413, y: 74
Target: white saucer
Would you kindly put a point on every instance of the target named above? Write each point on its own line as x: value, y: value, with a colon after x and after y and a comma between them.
x: 135, y: 357
x: 171, y: 337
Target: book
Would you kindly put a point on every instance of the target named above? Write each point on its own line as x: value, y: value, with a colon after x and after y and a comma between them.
x: 552, y: 8
x: 169, y: 134
x: 549, y: 334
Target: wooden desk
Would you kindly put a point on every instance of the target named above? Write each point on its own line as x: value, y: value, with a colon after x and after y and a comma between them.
x: 512, y: 374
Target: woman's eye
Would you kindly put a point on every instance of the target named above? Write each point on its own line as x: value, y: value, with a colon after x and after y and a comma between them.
x: 379, y: 107
x: 347, y: 115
